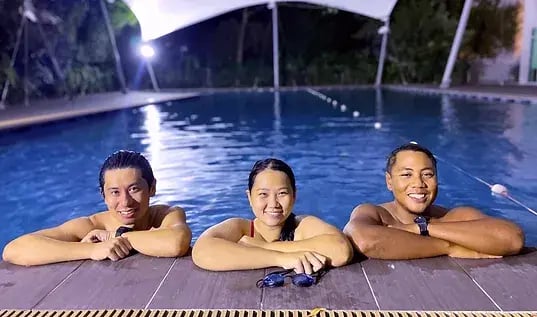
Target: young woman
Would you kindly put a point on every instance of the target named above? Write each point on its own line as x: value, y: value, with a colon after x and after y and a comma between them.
x: 275, y: 237
x: 126, y: 181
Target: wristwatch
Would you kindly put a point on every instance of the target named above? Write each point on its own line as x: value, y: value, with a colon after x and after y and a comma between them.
x: 121, y: 230
x: 422, y: 224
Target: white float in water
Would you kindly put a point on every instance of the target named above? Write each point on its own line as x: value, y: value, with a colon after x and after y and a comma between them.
x: 343, y: 108
x: 413, y: 142
x: 356, y: 114
x: 378, y: 125
x: 499, y: 189
x: 334, y: 103
x: 328, y: 99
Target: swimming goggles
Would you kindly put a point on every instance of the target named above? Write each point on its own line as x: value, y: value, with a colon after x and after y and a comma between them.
x: 277, y: 279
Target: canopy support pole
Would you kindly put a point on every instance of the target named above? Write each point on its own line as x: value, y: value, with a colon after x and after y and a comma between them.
x: 117, y: 57
x: 446, y: 79
x: 384, y: 30
x: 275, y: 45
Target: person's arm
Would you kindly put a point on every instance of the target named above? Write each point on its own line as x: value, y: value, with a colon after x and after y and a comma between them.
x: 375, y: 240
x: 60, y: 244
x: 171, y: 239
x: 471, y: 229
x: 314, y: 235
x: 217, y: 249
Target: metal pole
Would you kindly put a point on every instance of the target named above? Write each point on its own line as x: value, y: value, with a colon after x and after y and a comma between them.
x: 13, y: 57
x: 117, y: 57
x: 275, y: 46
x: 446, y: 79
x: 384, y: 30
x: 152, y: 76
x: 26, y: 30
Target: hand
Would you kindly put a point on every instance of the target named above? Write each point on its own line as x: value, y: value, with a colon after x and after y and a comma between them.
x: 457, y: 251
x: 252, y: 242
x: 113, y: 249
x: 303, y: 261
x: 411, y: 227
x: 98, y: 235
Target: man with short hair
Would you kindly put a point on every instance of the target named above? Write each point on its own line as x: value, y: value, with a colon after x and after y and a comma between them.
x: 130, y: 224
x: 411, y: 227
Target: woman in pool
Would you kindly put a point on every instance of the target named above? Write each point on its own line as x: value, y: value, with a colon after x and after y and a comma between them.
x: 275, y: 237
x: 130, y: 223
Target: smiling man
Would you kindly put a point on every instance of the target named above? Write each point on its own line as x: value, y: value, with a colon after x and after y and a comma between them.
x: 126, y: 181
x: 411, y: 226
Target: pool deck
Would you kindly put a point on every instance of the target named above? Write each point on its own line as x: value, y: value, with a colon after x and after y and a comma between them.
x: 42, y: 111
x: 49, y: 110
x: 519, y: 94
x: 141, y: 282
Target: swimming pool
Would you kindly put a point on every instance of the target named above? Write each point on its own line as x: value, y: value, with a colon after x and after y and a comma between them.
x: 202, y: 150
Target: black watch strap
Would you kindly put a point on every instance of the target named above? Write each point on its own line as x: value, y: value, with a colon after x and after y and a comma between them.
x: 422, y: 225
x: 121, y: 230
x: 423, y: 229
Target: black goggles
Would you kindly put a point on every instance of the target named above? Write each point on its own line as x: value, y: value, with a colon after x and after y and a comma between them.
x: 277, y: 279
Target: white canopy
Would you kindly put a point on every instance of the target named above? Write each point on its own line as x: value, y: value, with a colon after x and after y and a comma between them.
x: 160, y: 17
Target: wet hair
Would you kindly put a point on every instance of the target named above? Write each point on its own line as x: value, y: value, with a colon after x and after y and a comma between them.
x: 127, y: 159
x: 408, y: 147
x: 288, y: 229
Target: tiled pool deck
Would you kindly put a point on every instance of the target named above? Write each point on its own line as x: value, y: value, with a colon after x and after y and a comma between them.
x: 140, y: 282
x: 43, y: 111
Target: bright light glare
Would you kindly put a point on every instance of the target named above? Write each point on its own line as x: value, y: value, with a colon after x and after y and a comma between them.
x: 147, y: 51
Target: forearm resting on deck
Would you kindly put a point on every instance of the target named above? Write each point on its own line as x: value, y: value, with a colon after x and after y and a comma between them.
x: 488, y: 235
x: 34, y: 249
x: 165, y: 242
x: 218, y: 254
x: 335, y: 247
x: 381, y: 242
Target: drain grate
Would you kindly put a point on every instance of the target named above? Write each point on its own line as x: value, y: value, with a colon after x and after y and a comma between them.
x: 253, y: 313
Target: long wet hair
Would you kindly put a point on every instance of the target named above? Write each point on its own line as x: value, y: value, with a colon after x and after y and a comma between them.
x: 288, y: 229
x: 127, y: 159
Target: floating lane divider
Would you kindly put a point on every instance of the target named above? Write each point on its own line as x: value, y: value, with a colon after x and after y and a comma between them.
x: 496, y: 189
x: 342, y: 107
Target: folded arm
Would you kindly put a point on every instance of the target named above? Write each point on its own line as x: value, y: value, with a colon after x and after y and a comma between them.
x: 172, y: 238
x: 468, y: 227
x: 375, y: 240
x: 217, y: 249
x: 315, y: 235
x: 52, y: 245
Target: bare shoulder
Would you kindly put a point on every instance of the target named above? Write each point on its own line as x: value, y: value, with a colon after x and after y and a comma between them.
x: 311, y: 226
x: 370, y: 213
x: 100, y: 219
x: 310, y: 221
x: 462, y: 213
x: 166, y: 215
x: 71, y: 230
x: 231, y: 229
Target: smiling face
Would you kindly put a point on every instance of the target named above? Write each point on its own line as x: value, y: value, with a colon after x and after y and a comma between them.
x: 272, y: 197
x: 126, y: 194
x: 413, y: 182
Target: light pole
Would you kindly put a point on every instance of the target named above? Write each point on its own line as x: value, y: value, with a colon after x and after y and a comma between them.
x: 148, y: 52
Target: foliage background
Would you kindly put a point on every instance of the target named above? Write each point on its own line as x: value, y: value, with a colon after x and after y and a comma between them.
x: 318, y: 46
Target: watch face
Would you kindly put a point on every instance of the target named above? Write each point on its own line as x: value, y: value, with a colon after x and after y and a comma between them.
x: 420, y: 219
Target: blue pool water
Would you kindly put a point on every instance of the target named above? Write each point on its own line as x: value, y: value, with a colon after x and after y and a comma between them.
x: 202, y: 150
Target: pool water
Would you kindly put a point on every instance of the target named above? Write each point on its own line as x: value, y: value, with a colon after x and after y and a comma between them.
x: 202, y: 151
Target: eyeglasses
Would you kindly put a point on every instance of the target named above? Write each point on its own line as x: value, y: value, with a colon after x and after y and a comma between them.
x: 277, y: 279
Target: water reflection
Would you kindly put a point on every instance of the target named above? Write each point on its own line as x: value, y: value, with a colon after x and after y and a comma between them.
x: 202, y: 150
